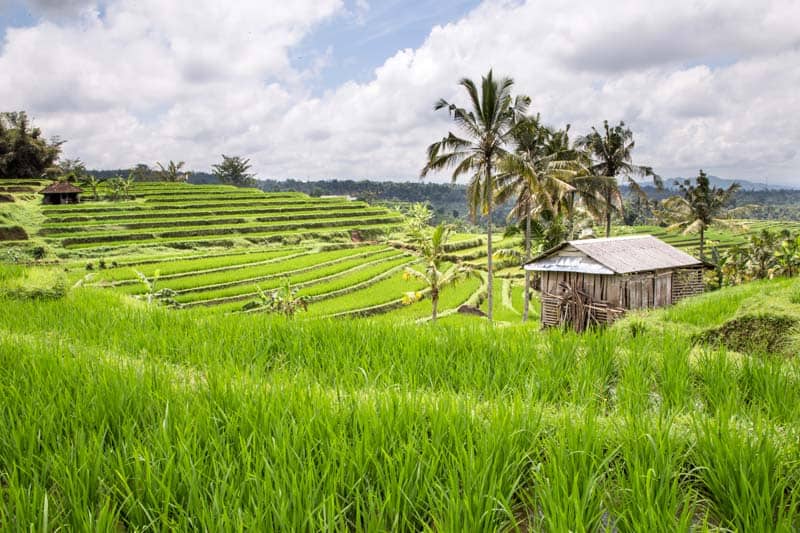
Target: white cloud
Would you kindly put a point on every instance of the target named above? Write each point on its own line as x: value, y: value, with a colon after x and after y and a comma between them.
x: 702, y: 84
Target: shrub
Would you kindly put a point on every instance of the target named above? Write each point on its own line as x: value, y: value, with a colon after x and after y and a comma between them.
x: 38, y: 252
x: 754, y: 334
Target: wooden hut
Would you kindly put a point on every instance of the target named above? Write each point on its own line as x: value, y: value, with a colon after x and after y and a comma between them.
x: 61, y: 192
x: 593, y: 281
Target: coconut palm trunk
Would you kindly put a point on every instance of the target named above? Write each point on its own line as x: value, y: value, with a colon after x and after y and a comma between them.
x: 527, y: 290
x: 434, y: 304
x: 489, y: 251
x: 608, y: 211
x: 488, y: 127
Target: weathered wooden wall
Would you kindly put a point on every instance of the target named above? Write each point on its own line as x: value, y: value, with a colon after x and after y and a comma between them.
x: 630, y: 291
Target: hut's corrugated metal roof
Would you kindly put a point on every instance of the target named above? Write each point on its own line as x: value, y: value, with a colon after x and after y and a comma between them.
x: 575, y: 263
x: 60, y: 187
x: 620, y: 255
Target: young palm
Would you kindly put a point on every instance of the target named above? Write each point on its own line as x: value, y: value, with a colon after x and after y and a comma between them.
x: 699, y: 206
x: 610, y: 156
x: 787, y: 257
x: 487, y: 128
x: 432, y: 249
x: 534, y: 176
x: 93, y: 183
x: 283, y: 300
x: 173, y: 171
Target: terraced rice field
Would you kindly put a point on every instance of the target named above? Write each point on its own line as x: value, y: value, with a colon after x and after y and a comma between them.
x: 722, y: 238
x: 166, y: 213
x: 228, y: 281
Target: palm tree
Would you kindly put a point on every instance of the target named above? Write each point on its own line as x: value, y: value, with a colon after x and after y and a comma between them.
x: 126, y: 186
x: 533, y: 174
x: 787, y: 257
x: 93, y: 182
x: 173, y: 171
x: 699, y: 206
x: 432, y: 249
x: 610, y: 156
x: 487, y: 129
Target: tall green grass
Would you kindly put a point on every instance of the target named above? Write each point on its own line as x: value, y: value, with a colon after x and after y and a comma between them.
x: 121, y: 416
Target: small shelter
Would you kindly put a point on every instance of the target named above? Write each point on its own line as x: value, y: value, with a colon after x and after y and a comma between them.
x: 593, y: 281
x: 61, y: 192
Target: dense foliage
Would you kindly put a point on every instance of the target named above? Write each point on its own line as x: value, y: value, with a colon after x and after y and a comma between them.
x: 234, y: 170
x: 24, y: 152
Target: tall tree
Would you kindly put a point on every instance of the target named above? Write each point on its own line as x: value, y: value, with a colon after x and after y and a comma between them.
x: 173, y: 171
x: 234, y: 171
x: 698, y: 206
x: 432, y: 248
x: 609, y: 155
x: 533, y: 175
x: 487, y: 129
x: 24, y: 152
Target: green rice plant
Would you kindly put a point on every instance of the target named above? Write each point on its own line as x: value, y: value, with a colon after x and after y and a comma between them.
x: 254, y: 273
x: 568, y: 479
x: 674, y: 374
x: 716, y: 374
x: 502, y: 312
x: 355, y: 278
x: 769, y: 386
x: 105, y: 233
x: 198, y: 221
x: 383, y: 292
x: 199, y: 264
x: 596, y: 372
x: 301, y: 273
x: 749, y: 482
x: 555, y: 364
x: 653, y: 490
x: 118, y: 415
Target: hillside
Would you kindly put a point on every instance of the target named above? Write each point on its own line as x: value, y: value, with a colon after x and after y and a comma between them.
x: 171, y: 214
x: 218, y: 246
x: 124, y: 416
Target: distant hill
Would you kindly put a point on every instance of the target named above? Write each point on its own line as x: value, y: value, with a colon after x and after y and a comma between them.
x: 746, y: 185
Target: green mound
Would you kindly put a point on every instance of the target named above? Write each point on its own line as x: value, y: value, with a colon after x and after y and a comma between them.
x: 753, y: 334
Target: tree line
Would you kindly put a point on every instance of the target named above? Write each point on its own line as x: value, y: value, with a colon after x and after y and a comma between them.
x: 25, y: 153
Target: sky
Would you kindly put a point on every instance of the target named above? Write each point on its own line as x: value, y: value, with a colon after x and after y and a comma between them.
x: 343, y: 89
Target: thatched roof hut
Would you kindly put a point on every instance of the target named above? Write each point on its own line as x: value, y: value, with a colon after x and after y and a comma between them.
x: 61, y: 192
x: 595, y: 280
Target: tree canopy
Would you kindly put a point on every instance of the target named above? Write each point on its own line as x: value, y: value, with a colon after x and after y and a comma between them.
x: 24, y: 152
x: 610, y: 156
x: 234, y: 170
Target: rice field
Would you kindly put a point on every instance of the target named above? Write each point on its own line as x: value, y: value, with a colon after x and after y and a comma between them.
x: 360, y: 414
x: 173, y: 214
x: 123, y: 416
